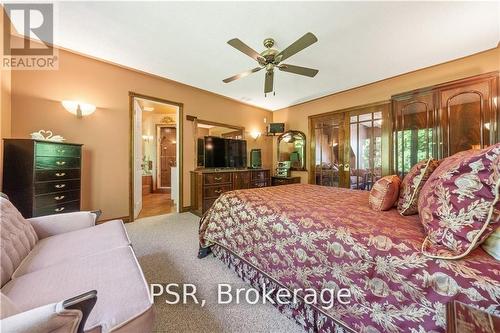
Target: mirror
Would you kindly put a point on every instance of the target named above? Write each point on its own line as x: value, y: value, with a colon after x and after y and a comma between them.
x: 292, y: 147
x: 208, y: 128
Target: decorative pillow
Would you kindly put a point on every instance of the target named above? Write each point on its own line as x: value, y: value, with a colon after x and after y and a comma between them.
x: 412, y: 184
x: 459, y: 204
x: 384, y: 193
x: 492, y: 244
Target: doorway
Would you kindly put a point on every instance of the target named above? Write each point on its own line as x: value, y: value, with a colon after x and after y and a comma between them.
x: 167, y: 152
x: 156, y: 161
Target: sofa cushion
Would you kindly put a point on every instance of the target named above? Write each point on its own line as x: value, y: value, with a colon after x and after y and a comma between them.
x: 79, y: 243
x: 17, y: 239
x: 7, y: 308
x: 459, y: 205
x: 122, y: 292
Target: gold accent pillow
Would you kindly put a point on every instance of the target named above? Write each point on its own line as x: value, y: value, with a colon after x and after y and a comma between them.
x: 384, y: 193
x: 412, y: 184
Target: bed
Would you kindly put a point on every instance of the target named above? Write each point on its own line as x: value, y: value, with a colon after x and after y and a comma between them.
x: 309, y: 236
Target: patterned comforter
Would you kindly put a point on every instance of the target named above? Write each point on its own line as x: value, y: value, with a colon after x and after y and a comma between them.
x: 308, y: 236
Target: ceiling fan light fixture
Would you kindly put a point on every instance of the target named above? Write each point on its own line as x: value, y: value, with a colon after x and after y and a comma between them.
x: 271, y: 58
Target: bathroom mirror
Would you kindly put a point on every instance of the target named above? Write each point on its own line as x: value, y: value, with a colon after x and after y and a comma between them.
x: 292, y: 147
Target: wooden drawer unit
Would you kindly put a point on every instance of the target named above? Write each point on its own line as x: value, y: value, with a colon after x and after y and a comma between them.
x: 260, y: 174
x: 217, y: 178
x: 58, y: 174
x: 57, y: 186
x: 57, y: 198
x: 66, y: 207
x: 241, y: 180
x: 275, y: 181
x: 55, y: 149
x: 55, y: 162
x: 259, y: 183
x: 208, y: 185
x: 215, y: 191
x: 42, y: 177
x: 207, y: 203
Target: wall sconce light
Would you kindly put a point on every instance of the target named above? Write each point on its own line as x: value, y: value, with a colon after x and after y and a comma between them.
x: 255, y: 134
x: 78, y: 108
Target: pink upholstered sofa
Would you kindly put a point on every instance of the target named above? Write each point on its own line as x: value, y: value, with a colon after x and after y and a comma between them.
x: 47, y: 260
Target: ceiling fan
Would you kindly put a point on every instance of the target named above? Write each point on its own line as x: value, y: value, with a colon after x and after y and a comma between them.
x: 271, y: 58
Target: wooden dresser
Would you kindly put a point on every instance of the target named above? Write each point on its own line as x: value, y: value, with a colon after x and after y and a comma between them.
x: 276, y: 181
x: 42, y: 177
x: 207, y: 184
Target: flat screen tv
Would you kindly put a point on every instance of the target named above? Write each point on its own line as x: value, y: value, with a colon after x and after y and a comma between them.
x: 225, y: 153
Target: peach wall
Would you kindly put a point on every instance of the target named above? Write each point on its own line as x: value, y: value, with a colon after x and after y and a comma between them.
x: 5, y: 103
x: 36, y: 97
x: 296, y: 117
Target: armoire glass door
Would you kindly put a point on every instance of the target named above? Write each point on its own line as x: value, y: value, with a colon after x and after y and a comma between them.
x: 468, y: 116
x: 415, y: 137
x: 365, y: 155
x: 349, y: 146
x: 328, y: 151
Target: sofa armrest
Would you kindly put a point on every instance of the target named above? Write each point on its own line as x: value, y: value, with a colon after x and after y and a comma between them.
x: 65, y: 317
x: 51, y: 225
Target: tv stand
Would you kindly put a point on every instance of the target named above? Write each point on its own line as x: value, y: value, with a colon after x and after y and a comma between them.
x: 208, y: 184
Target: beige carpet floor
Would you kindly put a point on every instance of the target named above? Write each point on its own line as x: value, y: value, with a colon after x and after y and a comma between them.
x: 166, y: 247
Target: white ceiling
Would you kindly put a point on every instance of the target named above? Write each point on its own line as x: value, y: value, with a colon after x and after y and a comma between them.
x: 359, y: 42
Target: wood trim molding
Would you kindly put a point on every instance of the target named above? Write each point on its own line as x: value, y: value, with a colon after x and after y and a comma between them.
x: 125, y: 219
x: 349, y: 109
x: 387, y: 79
x: 180, y: 164
x: 213, y: 123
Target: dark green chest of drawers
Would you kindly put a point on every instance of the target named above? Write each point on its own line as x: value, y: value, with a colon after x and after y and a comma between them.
x: 42, y: 177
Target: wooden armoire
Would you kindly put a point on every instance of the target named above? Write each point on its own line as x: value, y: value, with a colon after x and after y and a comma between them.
x: 354, y: 147
x: 441, y: 120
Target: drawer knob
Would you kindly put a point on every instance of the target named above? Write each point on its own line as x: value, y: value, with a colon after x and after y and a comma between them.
x: 60, y: 185
x: 60, y: 174
x: 60, y: 162
x: 59, y: 209
x: 60, y: 197
x: 217, y: 178
x: 218, y: 191
x: 61, y: 151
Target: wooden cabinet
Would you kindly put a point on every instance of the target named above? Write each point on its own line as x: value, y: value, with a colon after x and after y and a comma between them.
x: 208, y: 185
x: 41, y: 177
x: 276, y: 181
x: 442, y: 120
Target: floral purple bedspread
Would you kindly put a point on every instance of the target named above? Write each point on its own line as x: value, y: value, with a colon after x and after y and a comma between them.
x: 308, y: 236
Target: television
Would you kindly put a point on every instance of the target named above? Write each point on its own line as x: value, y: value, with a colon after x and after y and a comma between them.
x: 224, y: 153
x: 275, y: 128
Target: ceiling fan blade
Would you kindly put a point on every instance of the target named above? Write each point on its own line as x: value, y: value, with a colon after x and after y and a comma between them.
x: 242, y: 47
x: 298, y: 70
x: 297, y: 46
x: 268, y: 84
x: 239, y: 76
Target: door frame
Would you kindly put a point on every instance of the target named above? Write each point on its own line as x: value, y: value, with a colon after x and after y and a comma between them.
x: 180, y: 126
x: 158, y: 171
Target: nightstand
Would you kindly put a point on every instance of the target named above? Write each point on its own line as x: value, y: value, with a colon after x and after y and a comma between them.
x: 275, y: 181
x: 463, y: 318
